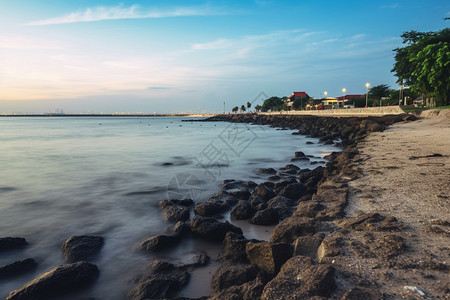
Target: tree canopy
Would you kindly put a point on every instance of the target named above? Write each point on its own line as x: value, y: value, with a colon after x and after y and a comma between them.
x: 273, y: 103
x: 424, y: 64
x: 380, y: 91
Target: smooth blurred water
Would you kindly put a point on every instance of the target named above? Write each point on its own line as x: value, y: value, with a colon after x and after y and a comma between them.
x: 65, y: 176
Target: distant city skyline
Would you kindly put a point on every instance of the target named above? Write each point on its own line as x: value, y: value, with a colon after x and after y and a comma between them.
x: 192, y: 56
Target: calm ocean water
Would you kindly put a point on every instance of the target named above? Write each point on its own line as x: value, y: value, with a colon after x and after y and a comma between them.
x: 67, y: 176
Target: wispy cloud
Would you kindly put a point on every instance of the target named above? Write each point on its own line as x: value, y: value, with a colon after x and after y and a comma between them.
x: 135, y: 11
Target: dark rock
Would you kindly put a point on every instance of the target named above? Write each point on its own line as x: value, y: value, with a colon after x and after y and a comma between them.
x: 230, y: 184
x: 59, y: 281
x: 300, y: 154
x: 280, y: 201
x: 309, y: 143
x: 268, y: 257
x: 181, y: 228
x: 300, y: 279
x: 233, y: 248
x: 372, y: 221
x: 274, y: 178
x: 264, y: 192
x: 308, y: 245
x: 284, y: 182
x: 177, y: 202
x: 162, y: 283
x: 258, y: 203
x: 290, y: 167
x: 241, y: 194
x: 210, y: 228
x: 232, y: 275
x: 286, y: 172
x: 357, y: 293
x: 17, y: 268
x: 242, y: 211
x: 215, y: 205
x: 200, y: 258
x: 267, y: 170
x: 12, y: 243
x: 291, y: 228
x: 248, y: 291
x: 176, y: 213
x: 293, y: 191
x: 83, y: 247
x: 299, y: 159
x: 268, y: 216
x: 159, y: 242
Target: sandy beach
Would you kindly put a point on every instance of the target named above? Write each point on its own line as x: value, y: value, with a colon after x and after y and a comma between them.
x: 406, y: 171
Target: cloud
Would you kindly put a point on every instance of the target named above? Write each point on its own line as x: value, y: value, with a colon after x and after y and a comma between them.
x: 390, y: 6
x: 158, y: 88
x: 102, y: 13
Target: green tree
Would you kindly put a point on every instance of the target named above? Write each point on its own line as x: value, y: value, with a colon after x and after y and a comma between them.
x: 300, y: 103
x: 235, y: 109
x: 273, y: 103
x: 242, y: 108
x: 249, y: 105
x: 379, y: 91
x: 424, y: 64
x: 258, y: 107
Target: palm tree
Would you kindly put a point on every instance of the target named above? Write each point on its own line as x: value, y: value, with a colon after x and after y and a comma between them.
x: 258, y: 107
x: 249, y: 105
x: 235, y: 109
x: 242, y: 108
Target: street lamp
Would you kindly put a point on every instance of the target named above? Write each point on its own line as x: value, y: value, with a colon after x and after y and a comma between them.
x: 367, y: 91
x: 343, y: 100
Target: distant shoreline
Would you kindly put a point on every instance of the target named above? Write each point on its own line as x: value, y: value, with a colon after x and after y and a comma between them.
x: 107, y: 115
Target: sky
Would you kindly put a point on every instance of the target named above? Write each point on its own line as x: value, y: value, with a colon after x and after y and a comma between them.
x: 194, y: 56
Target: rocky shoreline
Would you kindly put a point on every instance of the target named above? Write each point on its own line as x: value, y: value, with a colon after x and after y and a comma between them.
x: 298, y: 262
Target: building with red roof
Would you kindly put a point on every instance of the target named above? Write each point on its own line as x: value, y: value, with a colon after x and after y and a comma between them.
x: 297, y: 96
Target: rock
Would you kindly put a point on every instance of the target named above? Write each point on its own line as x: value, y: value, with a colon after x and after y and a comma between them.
x: 299, y: 154
x: 159, y: 242
x: 308, y: 245
x: 162, y: 283
x: 268, y: 257
x: 12, y: 243
x: 230, y: 184
x: 284, y: 182
x: 176, y: 213
x: 316, y: 173
x: 268, y: 216
x: 59, y: 281
x: 267, y: 170
x: 372, y: 221
x: 83, y: 247
x: 264, y: 192
x: 232, y: 275
x: 200, y: 258
x: 309, y: 143
x: 17, y: 268
x: 258, y: 203
x: 242, y: 211
x: 181, y: 228
x: 215, y: 205
x: 283, y: 206
x: 307, y: 208
x: 357, y: 293
x: 289, y: 229
x: 299, y: 159
x: 233, y: 248
x: 329, y: 247
x: 300, y: 279
x: 274, y: 178
x: 290, y: 167
x: 247, y: 291
x: 173, y: 202
x: 210, y: 228
x: 293, y: 191
x: 241, y: 194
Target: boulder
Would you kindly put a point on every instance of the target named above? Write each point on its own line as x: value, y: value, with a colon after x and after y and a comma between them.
x: 232, y: 275
x: 268, y: 257
x: 241, y: 194
x: 290, y: 167
x: 289, y: 229
x: 267, y: 170
x: 284, y: 182
x: 83, y: 247
x: 230, y: 184
x: 200, y: 258
x: 280, y: 201
x: 215, y: 205
x: 242, y: 211
x: 248, y: 291
x: 329, y: 247
x: 12, y: 243
x: 162, y: 283
x: 264, y: 192
x: 258, y: 203
x: 177, y: 202
x: 159, y: 242
x: 308, y: 245
x: 299, y: 278
x: 17, y: 268
x: 233, y: 248
x: 57, y: 282
x: 212, y: 229
x: 299, y: 154
x: 268, y: 216
x: 293, y: 191
x: 176, y: 213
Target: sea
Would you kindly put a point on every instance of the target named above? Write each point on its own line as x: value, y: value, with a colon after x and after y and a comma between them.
x: 66, y: 176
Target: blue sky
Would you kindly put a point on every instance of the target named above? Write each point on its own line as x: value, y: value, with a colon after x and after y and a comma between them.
x: 191, y: 56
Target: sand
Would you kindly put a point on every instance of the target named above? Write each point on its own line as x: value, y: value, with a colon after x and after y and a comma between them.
x: 406, y: 174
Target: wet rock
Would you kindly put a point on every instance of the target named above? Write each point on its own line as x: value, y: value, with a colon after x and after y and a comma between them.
x: 230, y: 184
x: 283, y: 206
x: 284, y: 182
x: 299, y: 154
x: 357, y: 293
x: 290, y: 167
x: 83, y: 247
x: 232, y: 275
x: 268, y: 216
x: 309, y: 143
x: 212, y: 229
x: 176, y: 213
x: 17, y: 268
x: 268, y: 257
x: 293, y: 191
x: 257, y: 202
x: 159, y: 242
x: 264, y: 192
x: 372, y: 221
x: 274, y: 178
x: 267, y: 170
x: 316, y: 173
x: 242, y: 211
x: 12, y: 243
x: 177, y: 202
x: 162, y: 283
x: 289, y: 229
x: 215, y: 205
x: 299, y: 278
x: 241, y: 194
x: 59, y: 281
x: 200, y: 258
x: 247, y: 291
x: 181, y: 228
x: 299, y: 159
x: 233, y: 248
x: 308, y: 245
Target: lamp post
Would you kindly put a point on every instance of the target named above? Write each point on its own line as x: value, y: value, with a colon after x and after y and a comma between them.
x: 367, y: 92
x: 343, y: 100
